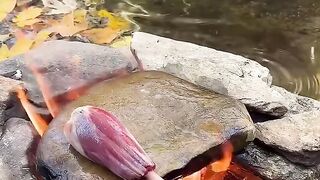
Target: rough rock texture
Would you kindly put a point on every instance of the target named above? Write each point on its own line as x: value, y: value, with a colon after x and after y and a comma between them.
x: 223, y: 72
x: 297, y: 137
x: 66, y: 66
x: 6, y: 86
x: 173, y: 120
x: 269, y: 165
x: 16, y: 146
x: 295, y: 103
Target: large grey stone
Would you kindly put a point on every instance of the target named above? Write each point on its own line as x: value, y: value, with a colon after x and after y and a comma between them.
x: 296, y: 137
x: 65, y: 66
x: 176, y: 122
x: 229, y: 74
x: 269, y: 165
x: 17, y: 148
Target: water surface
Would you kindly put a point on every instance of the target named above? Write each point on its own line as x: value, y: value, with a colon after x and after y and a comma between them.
x: 281, y: 35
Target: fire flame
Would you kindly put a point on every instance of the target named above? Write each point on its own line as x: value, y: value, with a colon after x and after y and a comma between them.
x: 215, y: 170
x: 39, y: 123
x: 223, y: 168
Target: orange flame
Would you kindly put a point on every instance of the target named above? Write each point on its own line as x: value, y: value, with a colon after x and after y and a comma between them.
x: 39, y: 123
x: 215, y: 171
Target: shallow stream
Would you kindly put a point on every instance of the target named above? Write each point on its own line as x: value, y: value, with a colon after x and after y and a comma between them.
x: 281, y: 35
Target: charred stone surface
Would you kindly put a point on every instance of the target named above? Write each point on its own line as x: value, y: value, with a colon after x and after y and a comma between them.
x: 176, y: 123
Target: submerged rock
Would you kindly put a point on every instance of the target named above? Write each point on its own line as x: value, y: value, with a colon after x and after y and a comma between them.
x: 271, y: 166
x: 17, y: 150
x: 223, y: 72
x: 65, y: 66
x: 296, y: 137
x: 177, y: 123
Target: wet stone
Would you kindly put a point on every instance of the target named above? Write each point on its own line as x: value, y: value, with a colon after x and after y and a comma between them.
x: 65, y: 66
x: 17, y: 149
x: 296, y: 137
x: 176, y: 122
x: 270, y: 165
x: 226, y: 73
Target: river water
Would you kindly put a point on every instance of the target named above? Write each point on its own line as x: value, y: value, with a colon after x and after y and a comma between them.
x: 283, y: 35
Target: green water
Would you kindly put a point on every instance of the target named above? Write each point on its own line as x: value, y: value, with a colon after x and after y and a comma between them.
x: 282, y: 35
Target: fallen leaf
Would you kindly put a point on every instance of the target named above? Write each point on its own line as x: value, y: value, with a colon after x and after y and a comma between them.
x: 101, y: 35
x: 28, y: 16
x: 122, y: 42
x: 6, y: 6
x: 4, y: 52
x: 114, y: 22
x: 60, y: 6
x: 40, y: 38
x: 22, y: 45
x: 70, y: 24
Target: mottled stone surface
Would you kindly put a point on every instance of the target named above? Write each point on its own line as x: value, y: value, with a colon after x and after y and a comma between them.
x: 223, y: 72
x: 297, y: 137
x: 65, y: 66
x: 6, y: 87
x: 17, y: 150
x: 173, y: 120
x: 269, y: 165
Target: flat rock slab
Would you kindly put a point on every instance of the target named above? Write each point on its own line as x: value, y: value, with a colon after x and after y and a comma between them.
x: 271, y: 166
x: 65, y: 66
x: 16, y: 149
x: 174, y: 121
x: 296, y: 137
x: 223, y: 72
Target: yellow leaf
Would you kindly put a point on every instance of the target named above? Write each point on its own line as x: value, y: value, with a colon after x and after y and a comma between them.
x: 40, y: 38
x: 6, y: 6
x: 122, y: 42
x: 28, y: 16
x: 4, y: 52
x: 101, y: 35
x: 21, y: 46
x: 70, y: 25
x: 114, y: 22
x: 27, y: 22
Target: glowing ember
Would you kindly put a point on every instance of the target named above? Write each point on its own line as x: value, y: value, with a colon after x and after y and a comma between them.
x: 39, y: 123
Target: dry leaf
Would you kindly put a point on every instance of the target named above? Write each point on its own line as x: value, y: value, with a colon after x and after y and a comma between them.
x: 6, y: 6
x: 60, y: 6
x: 40, y: 38
x: 122, y: 42
x: 28, y: 16
x: 70, y: 24
x: 4, y: 52
x: 22, y: 45
x: 114, y: 22
x: 101, y: 35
